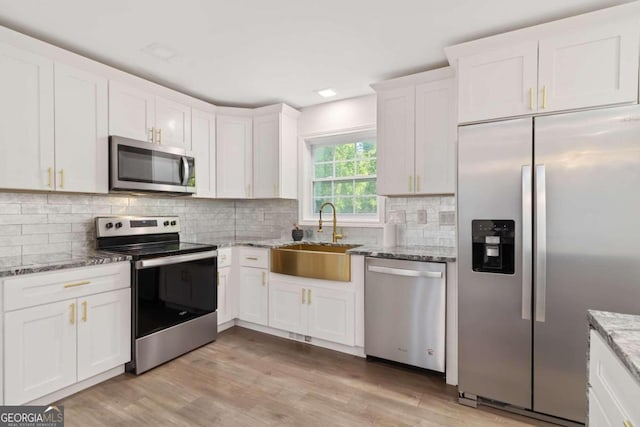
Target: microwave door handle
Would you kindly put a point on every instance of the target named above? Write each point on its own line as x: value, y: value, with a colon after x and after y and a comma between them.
x: 184, y: 170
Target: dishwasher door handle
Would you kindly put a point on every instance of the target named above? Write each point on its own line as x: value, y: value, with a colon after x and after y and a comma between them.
x: 403, y: 272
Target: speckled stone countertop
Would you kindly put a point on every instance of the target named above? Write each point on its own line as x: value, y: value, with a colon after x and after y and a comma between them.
x: 622, y: 333
x: 411, y: 253
x: 93, y: 258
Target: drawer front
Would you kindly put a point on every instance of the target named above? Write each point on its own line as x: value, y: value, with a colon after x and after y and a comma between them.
x: 614, y: 386
x: 254, y: 257
x: 224, y: 257
x: 42, y: 288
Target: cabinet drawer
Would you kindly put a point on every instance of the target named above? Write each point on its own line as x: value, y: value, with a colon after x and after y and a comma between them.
x: 224, y: 257
x: 254, y: 257
x: 616, y: 390
x: 43, y: 288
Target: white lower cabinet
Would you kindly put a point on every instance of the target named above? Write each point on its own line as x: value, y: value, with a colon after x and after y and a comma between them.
x: 224, y: 305
x: 252, y: 303
x: 65, y: 340
x: 319, y: 312
x: 613, y: 392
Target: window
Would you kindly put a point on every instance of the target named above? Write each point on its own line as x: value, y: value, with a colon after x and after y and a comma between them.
x: 341, y: 169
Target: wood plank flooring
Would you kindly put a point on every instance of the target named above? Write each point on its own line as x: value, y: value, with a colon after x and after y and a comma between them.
x: 247, y: 378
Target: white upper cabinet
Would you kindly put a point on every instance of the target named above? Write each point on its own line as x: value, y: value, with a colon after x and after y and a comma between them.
x: 585, y: 61
x: 137, y: 114
x: 131, y: 112
x: 26, y: 120
x: 203, y: 142
x: 499, y: 83
x: 233, y: 156
x: 81, y: 134
x: 173, y: 123
x: 396, y: 139
x: 586, y: 68
x: 266, y: 162
x: 417, y: 134
x: 436, y: 135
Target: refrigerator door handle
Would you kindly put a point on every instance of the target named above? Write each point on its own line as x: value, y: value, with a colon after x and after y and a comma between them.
x: 541, y: 244
x: 527, y: 244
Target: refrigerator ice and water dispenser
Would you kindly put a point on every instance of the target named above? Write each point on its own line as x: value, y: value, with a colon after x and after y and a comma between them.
x: 493, y: 245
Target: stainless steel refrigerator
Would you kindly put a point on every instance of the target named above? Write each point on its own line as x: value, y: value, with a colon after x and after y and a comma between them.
x: 549, y: 227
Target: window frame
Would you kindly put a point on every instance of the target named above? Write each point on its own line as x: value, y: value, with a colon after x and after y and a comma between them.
x: 306, y: 215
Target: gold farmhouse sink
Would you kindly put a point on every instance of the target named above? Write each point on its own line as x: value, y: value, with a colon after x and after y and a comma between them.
x: 327, y: 262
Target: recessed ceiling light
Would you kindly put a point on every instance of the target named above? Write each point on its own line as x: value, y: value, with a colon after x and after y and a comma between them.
x: 326, y: 93
x: 160, y: 52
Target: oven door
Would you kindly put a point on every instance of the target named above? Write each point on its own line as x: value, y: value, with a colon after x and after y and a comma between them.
x: 172, y: 290
x: 143, y: 166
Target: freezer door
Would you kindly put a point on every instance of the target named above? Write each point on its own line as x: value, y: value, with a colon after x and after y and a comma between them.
x: 591, y: 166
x: 495, y: 309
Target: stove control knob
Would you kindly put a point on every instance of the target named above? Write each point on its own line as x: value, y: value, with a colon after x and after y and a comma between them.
x: 166, y: 223
x: 174, y: 222
x: 118, y: 225
x: 109, y: 225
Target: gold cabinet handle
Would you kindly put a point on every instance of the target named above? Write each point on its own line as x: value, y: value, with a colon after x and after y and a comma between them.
x: 84, y: 311
x: 72, y: 319
x: 50, y: 177
x: 410, y: 183
x: 159, y: 136
x: 275, y: 190
x: 544, y: 96
x: 61, y: 178
x: 73, y: 285
x: 251, y: 258
x: 303, y: 291
x: 417, y: 183
x: 264, y: 278
x: 151, y: 132
x: 627, y: 424
x: 308, y: 296
x: 531, y: 106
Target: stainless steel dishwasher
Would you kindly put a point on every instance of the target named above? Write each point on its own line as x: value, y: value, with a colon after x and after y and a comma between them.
x: 405, y: 304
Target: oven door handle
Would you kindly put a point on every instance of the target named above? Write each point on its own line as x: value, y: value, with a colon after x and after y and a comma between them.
x: 174, y: 259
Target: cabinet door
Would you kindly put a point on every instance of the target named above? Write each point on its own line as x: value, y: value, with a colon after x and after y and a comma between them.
x: 104, y: 332
x: 287, y: 307
x: 40, y: 351
x: 131, y: 112
x: 81, y: 130
x: 396, y: 134
x: 288, y: 180
x: 253, y: 295
x: 203, y: 140
x: 26, y: 120
x: 331, y: 315
x: 266, y: 155
x: 224, y: 312
x: 499, y: 83
x: 592, y: 67
x: 436, y: 131
x: 173, y: 123
x: 233, y: 159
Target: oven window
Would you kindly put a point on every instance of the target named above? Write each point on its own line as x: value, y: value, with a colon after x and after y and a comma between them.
x: 173, y: 294
x: 142, y: 165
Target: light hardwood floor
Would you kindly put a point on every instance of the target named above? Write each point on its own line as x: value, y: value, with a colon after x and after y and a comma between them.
x: 247, y: 378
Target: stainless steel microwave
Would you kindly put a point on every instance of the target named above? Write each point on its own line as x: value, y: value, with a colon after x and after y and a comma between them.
x: 144, y: 166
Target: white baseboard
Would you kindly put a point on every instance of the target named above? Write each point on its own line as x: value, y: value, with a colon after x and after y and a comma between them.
x: 226, y: 325
x: 355, y: 351
x: 79, y: 386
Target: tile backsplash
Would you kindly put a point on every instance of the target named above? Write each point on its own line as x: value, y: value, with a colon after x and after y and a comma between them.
x: 38, y: 228
x: 420, y: 221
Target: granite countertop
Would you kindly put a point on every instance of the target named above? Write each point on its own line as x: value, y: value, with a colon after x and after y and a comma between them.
x: 622, y: 333
x: 92, y: 258
x: 411, y: 253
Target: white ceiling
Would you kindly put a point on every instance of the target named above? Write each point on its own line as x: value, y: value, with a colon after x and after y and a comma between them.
x: 256, y: 52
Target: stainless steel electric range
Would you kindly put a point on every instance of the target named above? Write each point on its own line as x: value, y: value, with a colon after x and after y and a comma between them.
x: 174, y: 293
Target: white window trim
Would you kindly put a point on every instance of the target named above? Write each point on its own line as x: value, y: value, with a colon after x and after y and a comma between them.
x: 306, y: 217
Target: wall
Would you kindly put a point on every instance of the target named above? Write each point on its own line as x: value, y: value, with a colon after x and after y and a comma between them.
x: 356, y: 114
x: 38, y: 227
